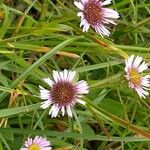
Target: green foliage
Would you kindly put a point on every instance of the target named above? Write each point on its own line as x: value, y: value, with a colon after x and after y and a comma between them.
x: 37, y: 37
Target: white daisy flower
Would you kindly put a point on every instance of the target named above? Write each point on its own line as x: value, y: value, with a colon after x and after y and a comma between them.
x: 93, y: 13
x: 135, y: 66
x: 38, y: 143
x: 64, y: 93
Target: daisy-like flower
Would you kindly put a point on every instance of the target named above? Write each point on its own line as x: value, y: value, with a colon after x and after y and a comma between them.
x: 64, y: 92
x: 134, y: 68
x: 38, y: 143
x: 93, y: 13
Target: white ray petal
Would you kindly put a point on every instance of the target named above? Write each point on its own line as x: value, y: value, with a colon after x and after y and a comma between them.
x: 139, y: 93
x: 61, y: 75
x: 69, y: 111
x: 44, y: 94
x: 107, y: 21
x: 107, y: 2
x: 145, y: 81
x: 46, y: 104
x: 130, y: 61
x: 131, y: 85
x: 71, y: 75
x: 82, y: 87
x: 24, y: 149
x: 54, y: 110
x: 84, y: 2
x: 46, y: 148
x: 63, y: 110
x: 98, y: 30
x: 81, y: 102
x: 86, y: 26
x: 110, y: 13
x: 83, y: 22
x: 137, y: 62
x: 36, y: 139
x: 105, y: 31
x: 56, y: 76
x: 65, y: 75
x: 79, y: 5
x: 48, y: 81
x: 147, y: 77
x: 142, y: 67
x: 80, y: 14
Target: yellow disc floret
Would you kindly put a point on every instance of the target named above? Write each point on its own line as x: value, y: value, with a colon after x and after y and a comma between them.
x: 135, y: 77
x: 34, y: 147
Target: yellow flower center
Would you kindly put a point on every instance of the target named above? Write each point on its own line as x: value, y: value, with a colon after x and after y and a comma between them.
x: 34, y: 147
x: 135, y: 77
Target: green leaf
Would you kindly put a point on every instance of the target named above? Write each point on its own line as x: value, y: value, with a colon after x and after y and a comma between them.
x: 97, y: 66
x: 6, y: 22
x: 71, y: 135
x: 113, y: 107
x: 17, y: 110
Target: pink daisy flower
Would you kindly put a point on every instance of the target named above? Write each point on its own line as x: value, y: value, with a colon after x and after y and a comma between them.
x: 38, y: 143
x: 134, y: 68
x: 93, y: 13
x: 64, y: 92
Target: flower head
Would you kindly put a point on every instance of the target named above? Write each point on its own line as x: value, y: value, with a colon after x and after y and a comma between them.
x: 94, y: 14
x: 64, y: 93
x: 134, y: 68
x: 38, y: 143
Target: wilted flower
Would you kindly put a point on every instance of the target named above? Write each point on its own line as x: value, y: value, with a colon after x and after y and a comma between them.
x: 38, y: 143
x: 133, y: 69
x: 93, y: 13
x: 64, y: 93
